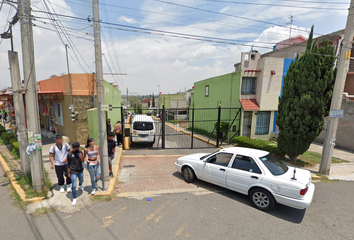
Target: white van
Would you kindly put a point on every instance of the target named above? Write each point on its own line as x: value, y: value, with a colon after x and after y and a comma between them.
x: 142, y: 130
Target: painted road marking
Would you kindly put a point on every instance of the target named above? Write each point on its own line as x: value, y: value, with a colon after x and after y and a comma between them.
x: 156, y: 220
x: 110, y: 220
x: 180, y: 229
x: 147, y: 218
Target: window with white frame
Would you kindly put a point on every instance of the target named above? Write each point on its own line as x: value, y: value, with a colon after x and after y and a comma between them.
x: 207, y: 90
x: 262, y: 123
x: 248, y: 85
x: 58, y: 114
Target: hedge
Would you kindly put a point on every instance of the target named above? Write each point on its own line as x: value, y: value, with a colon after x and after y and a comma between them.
x: 258, y: 144
x: 12, y: 140
x: 2, y: 128
x: 15, y: 145
x: 6, y: 137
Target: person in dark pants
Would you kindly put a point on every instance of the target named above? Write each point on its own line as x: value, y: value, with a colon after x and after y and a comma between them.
x: 109, y: 126
x: 76, y: 169
x: 111, y: 151
x: 118, y: 132
x: 58, y: 154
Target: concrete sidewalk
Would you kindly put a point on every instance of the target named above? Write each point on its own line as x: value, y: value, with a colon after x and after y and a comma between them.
x: 340, y: 171
x: 62, y: 201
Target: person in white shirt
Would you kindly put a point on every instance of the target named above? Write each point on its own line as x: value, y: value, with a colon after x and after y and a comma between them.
x: 58, y: 154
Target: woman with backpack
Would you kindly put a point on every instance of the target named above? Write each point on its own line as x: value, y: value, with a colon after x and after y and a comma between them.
x: 118, y: 131
x: 92, y: 156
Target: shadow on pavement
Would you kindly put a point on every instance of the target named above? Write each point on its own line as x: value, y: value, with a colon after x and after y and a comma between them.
x: 280, y: 211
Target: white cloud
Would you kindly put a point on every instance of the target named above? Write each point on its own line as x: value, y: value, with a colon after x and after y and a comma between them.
x: 225, y: 9
x: 127, y: 20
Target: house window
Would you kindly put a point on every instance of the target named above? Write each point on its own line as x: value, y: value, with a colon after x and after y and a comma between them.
x: 253, y: 56
x: 262, y: 124
x: 248, y: 85
x: 207, y: 90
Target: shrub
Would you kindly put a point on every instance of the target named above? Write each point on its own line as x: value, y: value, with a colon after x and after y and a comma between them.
x: 224, y: 126
x: 15, y: 145
x: 258, y: 144
x: 12, y: 140
x: 2, y: 129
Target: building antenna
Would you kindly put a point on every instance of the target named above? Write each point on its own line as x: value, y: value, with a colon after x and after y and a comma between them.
x: 291, y: 18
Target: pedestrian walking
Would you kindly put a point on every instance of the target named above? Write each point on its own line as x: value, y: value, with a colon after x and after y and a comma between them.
x: 75, y: 169
x: 109, y: 126
x: 92, y: 156
x: 111, y: 151
x: 119, y: 133
x: 58, y: 154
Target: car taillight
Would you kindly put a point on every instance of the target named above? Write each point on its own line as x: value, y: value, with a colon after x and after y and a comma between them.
x: 135, y: 133
x: 304, y: 191
x: 151, y: 132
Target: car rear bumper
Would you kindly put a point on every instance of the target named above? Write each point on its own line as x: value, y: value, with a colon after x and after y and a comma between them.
x: 297, y: 203
x: 147, y: 139
x: 178, y: 166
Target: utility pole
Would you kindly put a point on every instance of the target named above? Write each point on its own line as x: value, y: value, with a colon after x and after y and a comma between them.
x: 100, y: 93
x: 291, y: 18
x: 336, y: 103
x: 19, y: 112
x: 29, y: 73
x: 127, y: 98
x: 67, y: 64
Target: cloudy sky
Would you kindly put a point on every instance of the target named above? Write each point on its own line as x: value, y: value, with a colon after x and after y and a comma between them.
x: 149, y: 59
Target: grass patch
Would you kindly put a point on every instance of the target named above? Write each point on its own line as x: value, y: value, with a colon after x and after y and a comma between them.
x: 312, y: 158
x: 4, y: 157
x: 324, y: 179
x: 17, y: 200
x: 26, y: 184
x: 15, y: 153
x: 42, y: 211
x: 103, y: 198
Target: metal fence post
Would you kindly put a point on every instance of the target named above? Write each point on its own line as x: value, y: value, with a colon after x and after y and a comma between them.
x: 218, y: 126
x: 192, y: 127
x: 163, y: 127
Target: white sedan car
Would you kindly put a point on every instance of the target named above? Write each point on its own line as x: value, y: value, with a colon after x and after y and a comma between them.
x: 258, y: 174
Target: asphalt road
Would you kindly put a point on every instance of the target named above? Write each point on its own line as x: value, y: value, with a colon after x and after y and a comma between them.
x: 219, y: 215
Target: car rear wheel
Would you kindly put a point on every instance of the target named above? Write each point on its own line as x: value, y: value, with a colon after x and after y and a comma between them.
x: 262, y: 199
x: 188, y: 174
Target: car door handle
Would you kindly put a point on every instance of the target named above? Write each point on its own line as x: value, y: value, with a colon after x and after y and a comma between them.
x: 222, y: 169
x: 254, y: 177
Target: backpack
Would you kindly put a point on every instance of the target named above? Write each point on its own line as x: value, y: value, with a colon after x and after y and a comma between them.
x: 54, y: 147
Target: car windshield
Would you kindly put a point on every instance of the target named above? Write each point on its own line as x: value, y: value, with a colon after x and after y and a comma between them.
x: 205, y: 156
x: 143, y: 126
x: 274, y: 165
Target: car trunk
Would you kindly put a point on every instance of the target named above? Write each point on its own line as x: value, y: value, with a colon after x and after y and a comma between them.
x: 301, y: 181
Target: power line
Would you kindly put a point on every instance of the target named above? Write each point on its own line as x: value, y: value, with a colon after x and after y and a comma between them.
x: 332, y: 2
x: 275, y: 5
x: 162, y: 31
x: 229, y: 15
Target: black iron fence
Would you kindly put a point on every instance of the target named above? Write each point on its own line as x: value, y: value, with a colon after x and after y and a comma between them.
x: 178, y: 128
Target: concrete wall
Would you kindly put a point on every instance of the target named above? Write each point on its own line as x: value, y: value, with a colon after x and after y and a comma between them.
x: 112, y: 96
x: 165, y: 99
x: 268, y: 85
x: 224, y: 90
x: 178, y: 103
x: 345, y: 132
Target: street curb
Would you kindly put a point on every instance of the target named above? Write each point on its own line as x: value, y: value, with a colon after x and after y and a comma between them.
x: 15, y: 185
x: 197, y: 137
x: 112, y: 182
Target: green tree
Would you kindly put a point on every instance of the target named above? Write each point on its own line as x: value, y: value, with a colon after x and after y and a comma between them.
x: 153, y: 100
x: 307, y: 94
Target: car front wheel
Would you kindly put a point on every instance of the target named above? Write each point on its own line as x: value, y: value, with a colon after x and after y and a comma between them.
x: 188, y: 175
x: 262, y: 199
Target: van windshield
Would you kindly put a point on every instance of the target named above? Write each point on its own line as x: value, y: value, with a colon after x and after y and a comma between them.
x: 143, y: 126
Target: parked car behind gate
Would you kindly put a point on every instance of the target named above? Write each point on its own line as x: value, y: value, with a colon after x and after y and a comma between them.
x: 142, y: 130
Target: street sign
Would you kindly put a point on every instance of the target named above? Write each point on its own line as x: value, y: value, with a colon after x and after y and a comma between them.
x: 106, y: 108
x: 336, y: 113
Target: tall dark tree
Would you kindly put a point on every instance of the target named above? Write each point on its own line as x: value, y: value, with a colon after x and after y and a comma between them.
x: 307, y: 94
x: 153, y: 100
